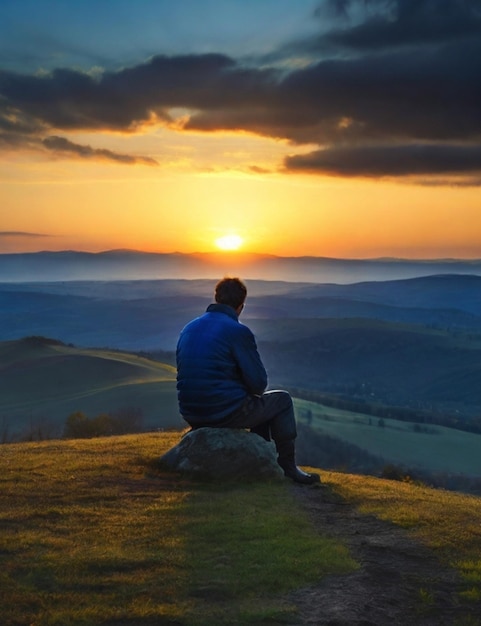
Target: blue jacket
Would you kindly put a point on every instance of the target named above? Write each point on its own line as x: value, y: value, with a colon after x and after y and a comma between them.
x: 218, y: 366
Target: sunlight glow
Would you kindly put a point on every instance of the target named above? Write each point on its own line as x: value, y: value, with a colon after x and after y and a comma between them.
x: 229, y: 242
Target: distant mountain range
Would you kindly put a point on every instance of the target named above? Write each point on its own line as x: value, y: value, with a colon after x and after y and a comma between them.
x: 133, y: 265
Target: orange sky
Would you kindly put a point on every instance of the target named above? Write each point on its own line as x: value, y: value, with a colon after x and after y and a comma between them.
x: 205, y: 190
x: 314, y: 128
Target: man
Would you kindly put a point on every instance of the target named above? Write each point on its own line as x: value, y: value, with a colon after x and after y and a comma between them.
x: 221, y: 380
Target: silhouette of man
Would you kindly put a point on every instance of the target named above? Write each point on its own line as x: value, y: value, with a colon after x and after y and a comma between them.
x: 221, y: 380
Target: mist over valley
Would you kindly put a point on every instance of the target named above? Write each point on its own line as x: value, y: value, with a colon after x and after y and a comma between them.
x: 134, y: 265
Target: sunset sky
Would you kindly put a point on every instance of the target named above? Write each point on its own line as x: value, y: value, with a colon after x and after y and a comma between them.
x: 339, y: 128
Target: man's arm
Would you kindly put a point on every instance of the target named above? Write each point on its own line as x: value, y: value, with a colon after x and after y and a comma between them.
x: 249, y: 362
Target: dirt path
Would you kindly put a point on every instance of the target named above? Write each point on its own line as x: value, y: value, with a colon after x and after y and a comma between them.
x: 400, y: 581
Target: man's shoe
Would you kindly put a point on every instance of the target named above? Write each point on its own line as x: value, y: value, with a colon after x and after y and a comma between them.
x: 301, y: 477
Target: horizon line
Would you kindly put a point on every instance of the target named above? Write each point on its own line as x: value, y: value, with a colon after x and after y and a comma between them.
x: 240, y: 254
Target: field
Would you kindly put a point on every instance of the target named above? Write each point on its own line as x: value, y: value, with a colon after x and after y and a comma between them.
x: 431, y: 448
x: 44, y: 381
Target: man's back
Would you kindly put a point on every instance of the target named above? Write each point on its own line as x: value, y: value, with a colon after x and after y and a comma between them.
x: 218, y: 365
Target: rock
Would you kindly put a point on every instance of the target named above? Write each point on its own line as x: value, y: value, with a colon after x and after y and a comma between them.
x: 225, y: 454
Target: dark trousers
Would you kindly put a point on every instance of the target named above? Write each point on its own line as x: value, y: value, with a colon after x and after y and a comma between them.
x: 270, y: 415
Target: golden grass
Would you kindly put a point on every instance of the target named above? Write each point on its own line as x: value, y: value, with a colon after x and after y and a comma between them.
x: 85, y: 535
x: 93, y: 531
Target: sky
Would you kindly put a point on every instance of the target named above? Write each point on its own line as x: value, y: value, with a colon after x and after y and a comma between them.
x: 333, y: 128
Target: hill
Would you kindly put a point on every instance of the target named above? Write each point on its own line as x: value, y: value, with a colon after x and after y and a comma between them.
x: 43, y: 381
x: 134, y: 265
x: 376, y: 361
x: 442, y: 301
x: 94, y: 532
x: 128, y: 315
x: 148, y: 315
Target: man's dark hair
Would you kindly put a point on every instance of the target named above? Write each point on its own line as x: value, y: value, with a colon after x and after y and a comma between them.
x: 230, y: 291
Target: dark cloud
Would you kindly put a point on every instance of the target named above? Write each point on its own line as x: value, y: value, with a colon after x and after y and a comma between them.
x: 404, y: 99
x: 18, y: 233
x: 406, y: 160
x: 20, y: 129
x: 31, y: 106
x: 395, y: 97
x: 392, y: 23
x: 71, y: 100
x: 60, y: 145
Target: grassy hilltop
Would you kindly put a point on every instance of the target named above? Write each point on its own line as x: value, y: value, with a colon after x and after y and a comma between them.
x: 93, y: 532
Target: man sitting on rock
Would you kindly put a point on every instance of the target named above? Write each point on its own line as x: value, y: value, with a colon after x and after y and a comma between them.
x: 221, y: 380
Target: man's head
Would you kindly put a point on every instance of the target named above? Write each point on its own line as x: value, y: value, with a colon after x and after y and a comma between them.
x: 231, y: 291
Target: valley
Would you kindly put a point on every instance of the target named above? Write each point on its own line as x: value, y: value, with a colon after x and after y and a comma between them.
x: 407, y: 352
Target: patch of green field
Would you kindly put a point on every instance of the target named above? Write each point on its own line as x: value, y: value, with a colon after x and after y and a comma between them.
x: 44, y: 380
x: 439, y: 450
x: 156, y: 400
x: 94, y: 532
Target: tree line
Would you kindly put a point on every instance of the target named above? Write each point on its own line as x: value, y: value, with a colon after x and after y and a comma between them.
x: 120, y: 422
x: 76, y: 426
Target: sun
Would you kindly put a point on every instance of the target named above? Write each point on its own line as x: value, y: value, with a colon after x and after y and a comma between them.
x: 229, y: 242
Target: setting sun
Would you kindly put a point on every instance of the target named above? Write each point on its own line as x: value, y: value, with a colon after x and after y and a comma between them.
x: 229, y: 242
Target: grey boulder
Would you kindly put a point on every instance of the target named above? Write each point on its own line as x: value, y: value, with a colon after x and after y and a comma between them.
x: 223, y: 454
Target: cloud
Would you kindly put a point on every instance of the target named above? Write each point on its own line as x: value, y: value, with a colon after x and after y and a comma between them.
x: 60, y: 145
x: 397, y: 96
x: 123, y: 100
x: 18, y: 233
x: 256, y: 169
x: 19, y: 130
x: 375, y: 161
x: 392, y: 89
x: 393, y: 23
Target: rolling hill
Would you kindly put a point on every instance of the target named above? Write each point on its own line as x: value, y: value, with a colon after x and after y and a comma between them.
x: 43, y: 381
x: 389, y: 363
x: 131, y: 316
x: 148, y: 315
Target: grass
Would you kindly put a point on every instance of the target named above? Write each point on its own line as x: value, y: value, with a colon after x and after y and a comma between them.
x: 445, y: 450
x: 253, y: 553
x: 93, y: 532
